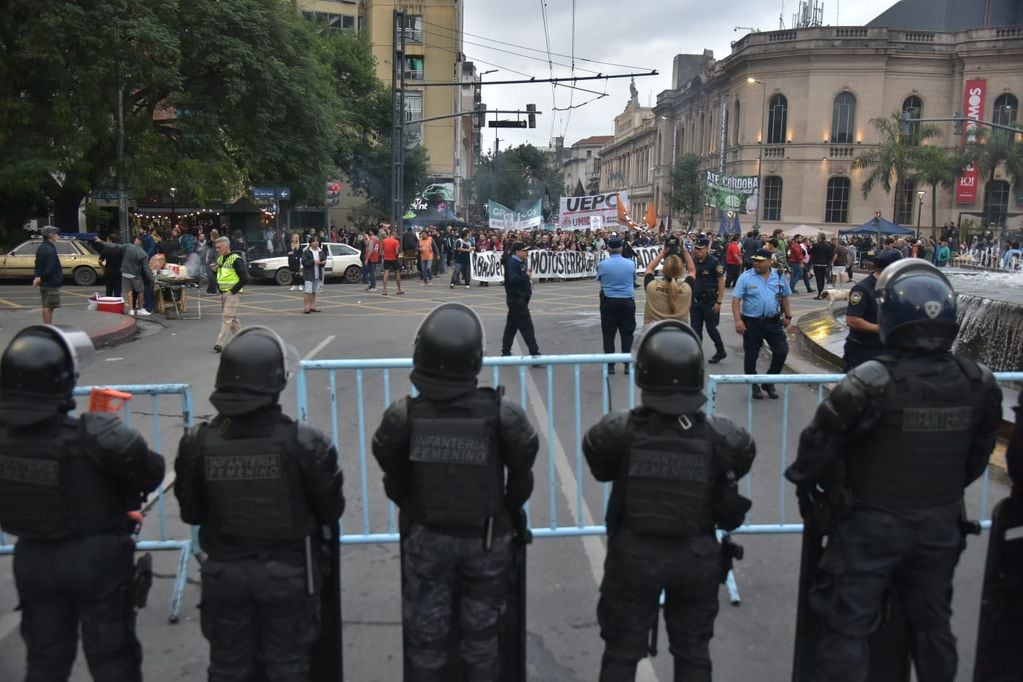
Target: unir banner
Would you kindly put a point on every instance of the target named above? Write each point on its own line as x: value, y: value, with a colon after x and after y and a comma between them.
x: 575, y: 212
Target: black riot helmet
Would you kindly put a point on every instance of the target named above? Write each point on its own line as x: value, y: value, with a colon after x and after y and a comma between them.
x: 669, y: 368
x: 916, y: 308
x: 449, y: 343
x: 254, y: 368
x: 39, y: 369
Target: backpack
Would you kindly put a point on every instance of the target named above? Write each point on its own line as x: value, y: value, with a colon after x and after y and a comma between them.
x: 409, y: 241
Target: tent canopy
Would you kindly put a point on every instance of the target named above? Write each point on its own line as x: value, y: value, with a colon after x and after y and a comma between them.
x: 883, y: 227
x: 808, y: 231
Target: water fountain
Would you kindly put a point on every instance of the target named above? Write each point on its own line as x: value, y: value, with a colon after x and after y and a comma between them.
x: 990, y: 319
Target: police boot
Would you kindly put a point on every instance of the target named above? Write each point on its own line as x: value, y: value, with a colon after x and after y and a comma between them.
x: 719, y: 355
x: 617, y: 671
x: 688, y: 672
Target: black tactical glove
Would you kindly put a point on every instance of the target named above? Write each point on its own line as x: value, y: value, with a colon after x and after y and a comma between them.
x: 520, y: 527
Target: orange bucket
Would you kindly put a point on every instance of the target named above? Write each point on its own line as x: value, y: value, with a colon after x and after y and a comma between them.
x: 107, y: 400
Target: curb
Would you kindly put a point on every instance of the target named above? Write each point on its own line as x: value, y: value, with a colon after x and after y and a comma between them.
x: 121, y: 328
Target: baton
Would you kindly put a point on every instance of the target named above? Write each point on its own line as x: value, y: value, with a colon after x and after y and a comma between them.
x: 488, y: 534
x: 309, y: 586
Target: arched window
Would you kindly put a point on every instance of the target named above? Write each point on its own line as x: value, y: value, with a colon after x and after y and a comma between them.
x: 914, y: 107
x: 737, y: 123
x: 843, y: 118
x: 772, y: 197
x: 1006, y: 109
x: 905, y: 201
x: 996, y: 202
x: 836, y: 203
x: 777, y: 119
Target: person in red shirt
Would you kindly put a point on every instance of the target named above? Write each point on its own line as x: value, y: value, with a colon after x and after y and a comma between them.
x: 370, y: 258
x: 733, y: 261
x: 391, y: 249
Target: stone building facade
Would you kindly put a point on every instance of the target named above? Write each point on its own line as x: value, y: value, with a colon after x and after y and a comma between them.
x: 814, y: 91
x: 627, y: 162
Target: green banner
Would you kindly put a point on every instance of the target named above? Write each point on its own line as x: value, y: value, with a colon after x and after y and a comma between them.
x: 738, y: 193
x: 503, y: 218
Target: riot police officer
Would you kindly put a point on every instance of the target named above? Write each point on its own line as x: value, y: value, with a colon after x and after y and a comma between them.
x: 886, y: 459
x: 674, y: 471
x: 864, y: 340
x: 457, y: 460
x: 260, y: 486
x: 66, y: 487
x: 708, y: 292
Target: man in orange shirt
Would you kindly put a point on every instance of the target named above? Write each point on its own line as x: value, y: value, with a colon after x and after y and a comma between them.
x: 391, y: 249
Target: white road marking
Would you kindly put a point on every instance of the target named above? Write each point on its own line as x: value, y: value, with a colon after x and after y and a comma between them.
x: 320, y: 346
x: 593, y: 546
x: 113, y: 359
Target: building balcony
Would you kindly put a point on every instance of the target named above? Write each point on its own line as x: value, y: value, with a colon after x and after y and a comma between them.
x: 842, y: 151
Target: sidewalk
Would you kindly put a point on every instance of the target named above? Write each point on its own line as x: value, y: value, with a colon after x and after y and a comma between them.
x: 105, y: 329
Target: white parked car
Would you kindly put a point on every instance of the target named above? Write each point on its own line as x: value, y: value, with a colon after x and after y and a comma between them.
x: 343, y: 261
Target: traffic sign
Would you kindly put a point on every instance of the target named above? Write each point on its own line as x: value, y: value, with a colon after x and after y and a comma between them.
x: 283, y: 193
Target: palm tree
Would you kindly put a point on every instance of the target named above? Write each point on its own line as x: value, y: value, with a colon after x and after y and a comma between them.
x: 894, y: 158
x: 994, y: 149
x: 935, y: 166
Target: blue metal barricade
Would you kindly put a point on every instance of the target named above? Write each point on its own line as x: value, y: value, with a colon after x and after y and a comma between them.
x: 557, y: 410
x: 162, y: 542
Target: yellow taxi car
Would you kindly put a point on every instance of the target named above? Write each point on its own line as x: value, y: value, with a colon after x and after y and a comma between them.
x: 78, y: 259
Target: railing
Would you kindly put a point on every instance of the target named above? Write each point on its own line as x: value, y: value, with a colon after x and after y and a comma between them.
x: 154, y: 437
x: 566, y: 500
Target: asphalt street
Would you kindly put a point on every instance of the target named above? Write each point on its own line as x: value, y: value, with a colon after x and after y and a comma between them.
x: 752, y: 640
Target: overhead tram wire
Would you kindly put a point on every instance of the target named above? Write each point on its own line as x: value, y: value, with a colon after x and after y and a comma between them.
x: 571, y: 95
x: 534, y: 49
x: 550, y: 63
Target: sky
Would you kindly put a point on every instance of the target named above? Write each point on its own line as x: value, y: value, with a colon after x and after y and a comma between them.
x: 627, y: 36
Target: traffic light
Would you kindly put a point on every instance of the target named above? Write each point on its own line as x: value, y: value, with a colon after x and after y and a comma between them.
x: 531, y: 109
x: 481, y: 115
x: 332, y: 196
x: 959, y: 121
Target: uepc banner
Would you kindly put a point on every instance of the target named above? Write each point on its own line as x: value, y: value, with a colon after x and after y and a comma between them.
x: 575, y: 212
x: 487, y: 265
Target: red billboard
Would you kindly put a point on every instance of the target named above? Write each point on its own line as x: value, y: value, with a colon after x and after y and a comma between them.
x: 973, y: 108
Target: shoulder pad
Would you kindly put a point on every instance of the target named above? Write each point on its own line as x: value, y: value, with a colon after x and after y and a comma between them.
x: 727, y: 433
x: 871, y: 377
x: 107, y: 431
x: 310, y: 438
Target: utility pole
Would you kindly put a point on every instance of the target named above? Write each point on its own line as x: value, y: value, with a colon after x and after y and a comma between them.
x: 497, y: 140
x: 398, y: 123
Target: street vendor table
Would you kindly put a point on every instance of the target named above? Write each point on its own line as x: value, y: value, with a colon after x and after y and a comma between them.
x: 172, y: 291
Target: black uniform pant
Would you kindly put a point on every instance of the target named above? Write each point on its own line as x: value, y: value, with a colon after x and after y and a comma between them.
x: 759, y: 330
x: 437, y: 566
x: 85, y: 581
x: 519, y: 320
x: 702, y: 313
x: 617, y: 316
x: 113, y: 281
x: 820, y: 274
x: 731, y: 274
x: 637, y: 568
x: 917, y: 552
x: 856, y: 353
x: 258, y: 615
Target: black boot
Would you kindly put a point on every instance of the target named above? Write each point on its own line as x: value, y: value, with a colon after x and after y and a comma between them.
x: 617, y: 671
x: 719, y: 355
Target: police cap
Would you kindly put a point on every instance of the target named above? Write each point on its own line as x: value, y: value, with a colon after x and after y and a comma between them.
x: 614, y: 243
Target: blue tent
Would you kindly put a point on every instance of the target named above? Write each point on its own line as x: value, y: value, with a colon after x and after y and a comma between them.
x: 881, y: 227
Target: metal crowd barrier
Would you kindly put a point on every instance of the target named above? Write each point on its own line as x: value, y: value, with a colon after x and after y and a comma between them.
x: 356, y: 405
x: 154, y: 438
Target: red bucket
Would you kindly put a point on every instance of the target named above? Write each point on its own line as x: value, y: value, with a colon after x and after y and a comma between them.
x: 110, y: 304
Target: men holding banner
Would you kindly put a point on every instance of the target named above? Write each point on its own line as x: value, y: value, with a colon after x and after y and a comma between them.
x: 617, y: 305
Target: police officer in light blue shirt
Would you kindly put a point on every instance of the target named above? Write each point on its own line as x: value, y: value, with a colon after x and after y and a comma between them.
x: 617, y: 305
x: 760, y: 306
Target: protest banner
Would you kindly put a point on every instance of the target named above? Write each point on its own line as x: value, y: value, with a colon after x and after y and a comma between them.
x: 739, y: 193
x: 575, y: 212
x: 504, y: 218
x: 487, y: 265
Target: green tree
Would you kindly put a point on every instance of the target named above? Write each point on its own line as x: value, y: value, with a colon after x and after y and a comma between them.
x: 688, y: 187
x: 218, y: 96
x: 516, y: 176
x: 936, y: 167
x: 895, y: 157
x: 996, y: 150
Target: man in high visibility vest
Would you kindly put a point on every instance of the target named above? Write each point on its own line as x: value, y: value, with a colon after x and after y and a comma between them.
x: 232, y: 276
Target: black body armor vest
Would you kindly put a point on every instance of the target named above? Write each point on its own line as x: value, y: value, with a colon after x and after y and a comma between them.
x: 457, y: 471
x: 915, y: 458
x: 50, y: 488
x: 668, y: 480
x: 253, y: 486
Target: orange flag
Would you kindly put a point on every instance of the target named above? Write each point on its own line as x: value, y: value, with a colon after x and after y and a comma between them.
x: 651, y: 216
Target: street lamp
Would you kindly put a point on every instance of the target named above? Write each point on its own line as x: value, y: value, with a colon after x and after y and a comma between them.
x: 760, y: 155
x: 174, y: 194
x: 671, y: 172
x: 920, y: 209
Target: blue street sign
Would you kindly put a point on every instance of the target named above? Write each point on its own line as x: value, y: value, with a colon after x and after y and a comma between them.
x: 284, y: 193
x: 264, y: 192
